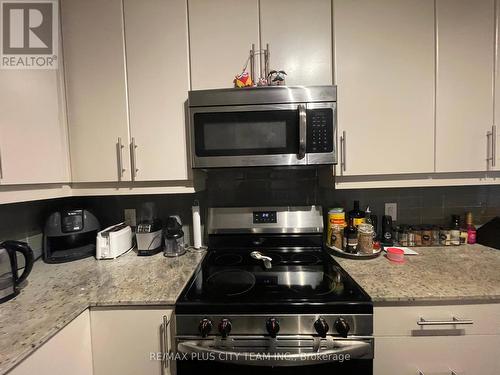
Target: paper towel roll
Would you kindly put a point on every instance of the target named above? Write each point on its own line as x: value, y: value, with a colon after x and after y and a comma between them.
x: 196, y: 227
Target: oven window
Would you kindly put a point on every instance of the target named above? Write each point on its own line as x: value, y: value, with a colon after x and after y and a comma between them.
x: 246, y: 133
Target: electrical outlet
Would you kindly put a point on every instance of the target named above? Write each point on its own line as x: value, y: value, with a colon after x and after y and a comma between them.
x: 391, y: 209
x: 129, y: 217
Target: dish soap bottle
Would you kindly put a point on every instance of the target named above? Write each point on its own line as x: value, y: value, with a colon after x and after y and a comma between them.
x: 471, y: 229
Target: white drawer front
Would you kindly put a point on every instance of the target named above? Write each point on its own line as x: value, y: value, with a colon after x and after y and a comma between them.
x: 465, y: 355
x: 403, y: 320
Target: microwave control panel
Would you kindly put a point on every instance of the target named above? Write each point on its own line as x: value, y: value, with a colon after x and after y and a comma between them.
x: 319, y: 130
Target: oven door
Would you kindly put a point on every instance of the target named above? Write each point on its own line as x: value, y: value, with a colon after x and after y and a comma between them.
x: 285, y: 355
x: 254, y: 135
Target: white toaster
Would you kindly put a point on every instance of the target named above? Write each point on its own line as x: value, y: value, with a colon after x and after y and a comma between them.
x: 113, y: 241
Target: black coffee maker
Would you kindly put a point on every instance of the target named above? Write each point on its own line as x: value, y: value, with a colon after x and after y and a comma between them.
x: 9, y: 276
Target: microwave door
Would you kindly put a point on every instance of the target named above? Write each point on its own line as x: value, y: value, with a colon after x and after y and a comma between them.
x: 255, y: 135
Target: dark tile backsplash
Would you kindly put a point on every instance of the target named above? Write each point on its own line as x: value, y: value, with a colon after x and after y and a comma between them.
x: 264, y: 187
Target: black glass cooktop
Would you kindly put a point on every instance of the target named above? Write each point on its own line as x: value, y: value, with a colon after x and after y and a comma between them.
x: 232, y: 281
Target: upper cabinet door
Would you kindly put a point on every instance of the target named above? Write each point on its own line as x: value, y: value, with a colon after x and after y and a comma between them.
x: 96, y: 89
x: 221, y: 34
x: 158, y: 82
x: 464, y: 97
x: 385, y: 75
x: 33, y: 139
x: 299, y: 34
x: 495, y: 151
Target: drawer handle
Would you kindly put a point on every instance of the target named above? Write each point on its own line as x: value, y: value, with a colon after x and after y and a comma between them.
x: 454, y: 321
x: 420, y: 372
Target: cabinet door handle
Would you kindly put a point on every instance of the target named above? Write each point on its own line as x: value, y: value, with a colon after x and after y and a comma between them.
x: 454, y: 321
x: 343, y: 154
x: 165, y: 347
x: 493, y: 145
x: 121, y: 170
x: 1, y: 167
x: 133, y: 162
x: 420, y: 372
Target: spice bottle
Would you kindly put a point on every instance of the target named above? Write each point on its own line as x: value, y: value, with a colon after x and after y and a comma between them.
x: 337, y: 236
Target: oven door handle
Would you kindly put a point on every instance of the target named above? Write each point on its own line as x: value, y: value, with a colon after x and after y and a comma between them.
x: 302, y: 131
x: 355, y: 349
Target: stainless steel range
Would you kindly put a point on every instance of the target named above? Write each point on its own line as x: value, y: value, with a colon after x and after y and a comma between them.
x: 267, y: 297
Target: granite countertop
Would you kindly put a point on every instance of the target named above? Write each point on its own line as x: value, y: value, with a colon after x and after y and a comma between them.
x: 466, y: 273
x: 57, y: 293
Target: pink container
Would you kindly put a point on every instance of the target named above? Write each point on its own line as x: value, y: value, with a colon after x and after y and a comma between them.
x: 395, y: 255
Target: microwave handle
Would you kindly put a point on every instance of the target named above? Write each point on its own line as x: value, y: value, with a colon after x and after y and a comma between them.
x: 302, y: 131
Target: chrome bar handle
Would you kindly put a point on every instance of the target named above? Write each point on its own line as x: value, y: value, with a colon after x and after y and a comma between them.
x: 133, y: 162
x: 252, y: 63
x: 302, y: 131
x: 266, y: 61
x: 343, y: 154
x: 165, y: 349
x: 494, y: 146
x: 454, y: 321
x: 420, y: 372
x: 120, y: 147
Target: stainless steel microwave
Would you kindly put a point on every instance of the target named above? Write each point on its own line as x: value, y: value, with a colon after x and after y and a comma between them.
x: 263, y: 126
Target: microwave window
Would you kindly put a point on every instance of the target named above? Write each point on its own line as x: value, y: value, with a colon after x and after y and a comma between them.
x: 245, y: 136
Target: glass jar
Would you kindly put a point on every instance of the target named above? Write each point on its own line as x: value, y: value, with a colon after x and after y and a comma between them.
x: 365, y: 238
x: 403, y: 236
x: 435, y: 236
x: 417, y: 233
x: 427, y: 236
x: 337, y: 236
x: 411, y: 237
x: 444, y: 237
x: 455, y: 237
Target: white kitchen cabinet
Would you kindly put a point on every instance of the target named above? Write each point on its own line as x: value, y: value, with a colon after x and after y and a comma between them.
x: 68, y: 352
x: 125, y: 340
x: 437, y: 355
x: 464, y: 96
x: 156, y: 39
x: 495, y: 150
x: 403, y: 347
x: 299, y: 34
x: 33, y: 138
x: 96, y: 89
x: 221, y: 34
x: 384, y: 70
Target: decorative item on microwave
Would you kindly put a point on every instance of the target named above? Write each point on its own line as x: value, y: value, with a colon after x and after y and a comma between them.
x: 276, y: 78
x: 243, y: 80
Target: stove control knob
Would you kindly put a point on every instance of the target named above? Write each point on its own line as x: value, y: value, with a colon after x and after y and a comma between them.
x: 321, y: 326
x: 273, y: 327
x: 205, y: 327
x: 342, y: 327
x: 225, y: 327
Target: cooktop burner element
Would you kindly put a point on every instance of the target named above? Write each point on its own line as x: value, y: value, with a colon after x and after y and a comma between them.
x: 228, y: 259
x: 230, y: 282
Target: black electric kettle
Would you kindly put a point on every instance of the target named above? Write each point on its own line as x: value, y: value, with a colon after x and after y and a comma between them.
x: 9, y: 277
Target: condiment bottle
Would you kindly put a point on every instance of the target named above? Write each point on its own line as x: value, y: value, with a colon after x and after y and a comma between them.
x: 471, y: 229
x: 357, y: 215
x: 351, y: 238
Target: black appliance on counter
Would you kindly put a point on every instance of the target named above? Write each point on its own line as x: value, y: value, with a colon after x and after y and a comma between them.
x: 69, y: 235
x: 489, y: 233
x: 268, y: 299
x: 9, y: 268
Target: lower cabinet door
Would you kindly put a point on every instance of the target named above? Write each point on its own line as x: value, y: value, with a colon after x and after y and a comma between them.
x: 130, y: 341
x: 443, y: 355
x: 68, y: 352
